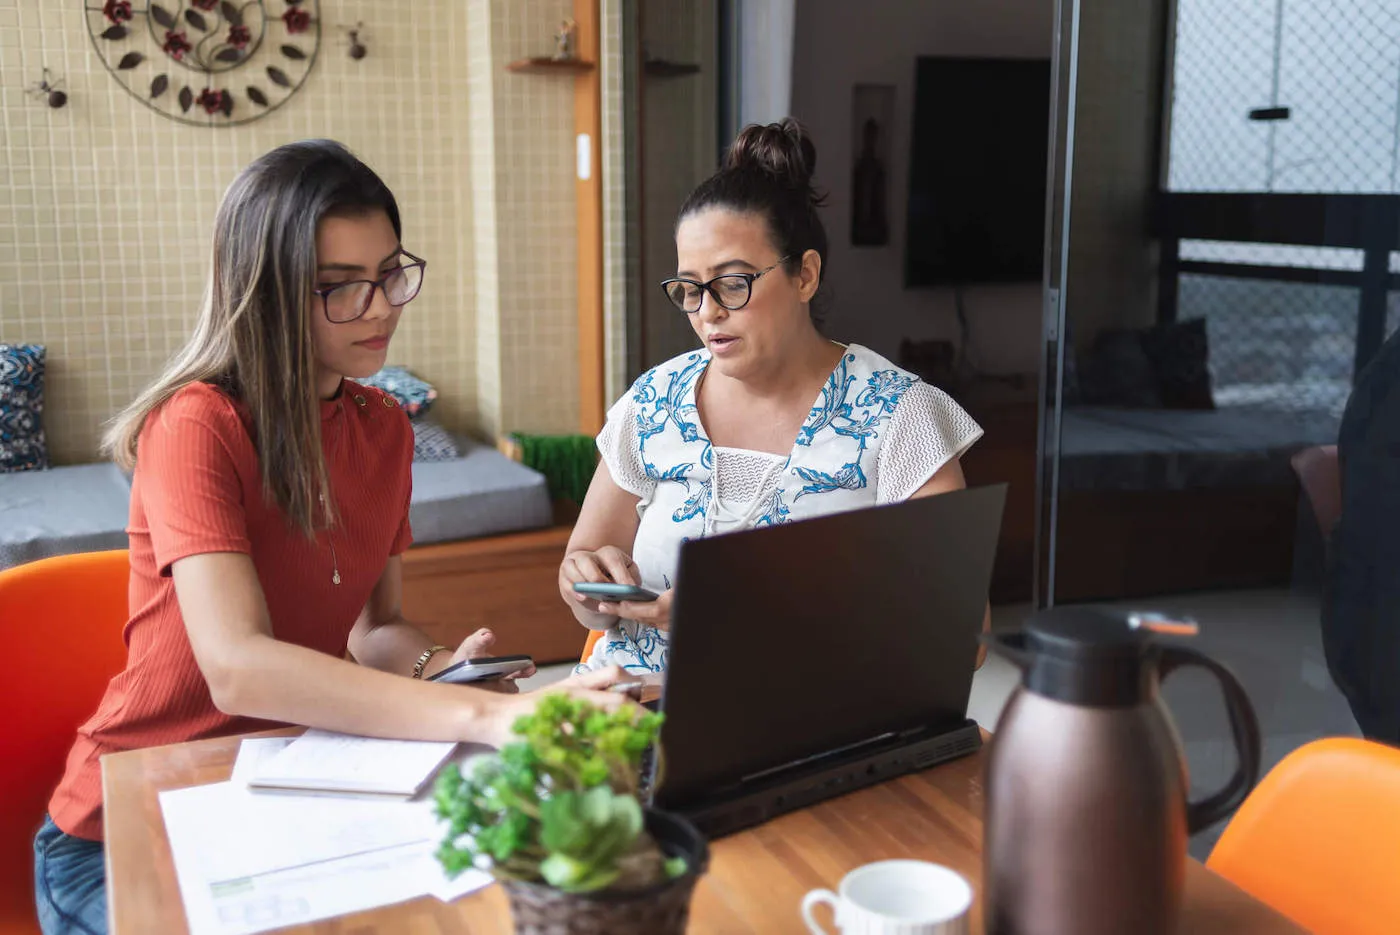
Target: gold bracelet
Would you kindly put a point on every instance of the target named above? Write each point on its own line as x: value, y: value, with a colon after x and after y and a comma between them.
x: 428, y: 653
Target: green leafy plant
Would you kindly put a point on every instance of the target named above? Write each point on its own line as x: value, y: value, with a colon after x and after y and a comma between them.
x: 559, y: 806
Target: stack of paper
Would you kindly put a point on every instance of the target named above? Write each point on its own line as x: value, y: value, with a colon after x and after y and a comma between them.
x: 321, y: 761
x: 249, y: 861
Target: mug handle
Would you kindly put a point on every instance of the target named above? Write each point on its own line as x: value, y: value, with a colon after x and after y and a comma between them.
x: 810, y: 902
x: 1244, y: 727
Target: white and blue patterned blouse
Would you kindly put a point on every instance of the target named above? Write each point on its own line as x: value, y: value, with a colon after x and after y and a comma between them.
x: 875, y: 434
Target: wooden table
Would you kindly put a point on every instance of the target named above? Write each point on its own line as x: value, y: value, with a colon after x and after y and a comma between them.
x: 756, y: 880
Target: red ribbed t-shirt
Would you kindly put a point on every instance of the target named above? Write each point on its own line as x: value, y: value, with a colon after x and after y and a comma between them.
x: 196, y: 489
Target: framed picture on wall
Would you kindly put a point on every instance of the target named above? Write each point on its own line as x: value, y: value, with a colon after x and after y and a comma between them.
x: 872, y: 119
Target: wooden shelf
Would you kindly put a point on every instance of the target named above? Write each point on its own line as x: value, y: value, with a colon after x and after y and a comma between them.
x: 661, y: 68
x: 549, y: 66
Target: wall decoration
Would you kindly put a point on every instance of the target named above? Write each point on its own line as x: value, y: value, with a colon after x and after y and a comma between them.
x: 872, y: 119
x: 357, y: 48
x: 208, y: 62
x: 50, y: 89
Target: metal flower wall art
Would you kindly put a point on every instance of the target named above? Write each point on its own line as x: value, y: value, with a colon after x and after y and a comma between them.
x: 208, y: 62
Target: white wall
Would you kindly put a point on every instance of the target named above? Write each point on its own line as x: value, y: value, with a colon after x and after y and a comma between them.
x: 839, y: 44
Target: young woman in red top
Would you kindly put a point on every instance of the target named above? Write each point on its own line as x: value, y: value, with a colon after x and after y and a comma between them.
x: 269, y: 511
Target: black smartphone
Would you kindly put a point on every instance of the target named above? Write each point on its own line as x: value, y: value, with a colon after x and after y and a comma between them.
x: 483, y: 669
x: 611, y: 591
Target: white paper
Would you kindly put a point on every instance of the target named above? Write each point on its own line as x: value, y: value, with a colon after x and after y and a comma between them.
x: 252, y: 752
x: 248, y: 862
x: 344, y: 763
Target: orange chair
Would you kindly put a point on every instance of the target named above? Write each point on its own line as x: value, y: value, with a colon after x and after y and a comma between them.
x: 593, y: 637
x: 1319, y: 838
x: 61, y: 622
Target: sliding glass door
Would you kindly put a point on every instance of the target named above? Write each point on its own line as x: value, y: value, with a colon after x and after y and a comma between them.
x: 1225, y: 216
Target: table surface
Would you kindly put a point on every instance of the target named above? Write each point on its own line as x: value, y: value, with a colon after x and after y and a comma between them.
x: 755, y: 883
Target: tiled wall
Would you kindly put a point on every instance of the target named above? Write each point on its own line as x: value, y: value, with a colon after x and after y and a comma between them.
x: 485, y: 346
x: 619, y: 106
x: 535, y: 224
x: 106, y: 208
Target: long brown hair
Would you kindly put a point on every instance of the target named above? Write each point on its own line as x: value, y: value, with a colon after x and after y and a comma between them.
x: 253, y: 337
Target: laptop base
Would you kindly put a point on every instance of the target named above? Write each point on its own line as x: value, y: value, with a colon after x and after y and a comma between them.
x: 756, y: 802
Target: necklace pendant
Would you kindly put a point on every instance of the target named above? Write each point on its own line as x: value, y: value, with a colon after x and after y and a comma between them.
x: 335, y: 577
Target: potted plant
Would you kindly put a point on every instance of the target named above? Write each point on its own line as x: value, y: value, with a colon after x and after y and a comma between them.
x: 557, y: 817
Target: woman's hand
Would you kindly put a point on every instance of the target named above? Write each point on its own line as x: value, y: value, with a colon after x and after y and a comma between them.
x: 656, y: 613
x: 474, y: 647
x: 588, y: 686
x: 608, y: 564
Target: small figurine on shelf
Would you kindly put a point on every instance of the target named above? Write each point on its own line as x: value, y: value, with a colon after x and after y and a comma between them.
x: 564, y: 41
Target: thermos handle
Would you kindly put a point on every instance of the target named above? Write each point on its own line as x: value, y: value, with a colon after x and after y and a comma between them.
x: 1244, y: 727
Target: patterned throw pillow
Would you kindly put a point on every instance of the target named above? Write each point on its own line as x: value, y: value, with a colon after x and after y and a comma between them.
x: 1180, y: 353
x: 1118, y: 372
x: 432, y: 442
x: 22, y: 443
x: 413, y: 394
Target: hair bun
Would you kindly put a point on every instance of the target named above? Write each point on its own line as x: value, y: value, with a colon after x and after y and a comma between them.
x: 782, y: 149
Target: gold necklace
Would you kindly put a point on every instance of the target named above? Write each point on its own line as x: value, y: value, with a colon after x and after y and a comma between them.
x: 330, y: 541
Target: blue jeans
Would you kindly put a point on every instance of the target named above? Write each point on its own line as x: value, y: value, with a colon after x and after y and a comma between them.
x: 70, y: 883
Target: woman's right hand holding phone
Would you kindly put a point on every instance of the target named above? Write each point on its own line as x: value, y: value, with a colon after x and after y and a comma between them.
x: 608, y: 564
x: 656, y: 613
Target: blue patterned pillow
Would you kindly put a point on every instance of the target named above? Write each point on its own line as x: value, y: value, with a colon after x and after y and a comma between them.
x: 413, y: 394
x: 22, y: 443
x: 432, y: 442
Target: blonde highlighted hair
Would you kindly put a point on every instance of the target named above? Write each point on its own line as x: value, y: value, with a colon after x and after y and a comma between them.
x: 253, y: 337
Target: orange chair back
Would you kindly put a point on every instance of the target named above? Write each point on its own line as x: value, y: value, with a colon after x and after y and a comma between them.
x: 1319, y: 838
x: 61, y: 622
x: 593, y: 637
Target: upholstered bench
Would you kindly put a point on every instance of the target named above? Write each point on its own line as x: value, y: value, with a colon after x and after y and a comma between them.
x: 82, y: 508
x: 484, y: 553
x: 479, y: 494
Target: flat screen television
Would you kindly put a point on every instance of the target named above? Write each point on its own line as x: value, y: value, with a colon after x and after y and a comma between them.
x: 977, y: 171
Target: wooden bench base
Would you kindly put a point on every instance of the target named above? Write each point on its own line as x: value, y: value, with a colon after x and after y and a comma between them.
x: 508, y: 583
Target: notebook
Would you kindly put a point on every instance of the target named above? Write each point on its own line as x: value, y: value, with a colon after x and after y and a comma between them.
x: 327, y: 762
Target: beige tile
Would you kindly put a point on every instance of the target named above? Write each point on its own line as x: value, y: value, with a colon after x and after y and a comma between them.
x: 118, y: 201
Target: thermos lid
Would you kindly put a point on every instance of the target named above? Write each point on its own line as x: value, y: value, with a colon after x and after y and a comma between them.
x: 1084, y: 633
x: 1088, y: 655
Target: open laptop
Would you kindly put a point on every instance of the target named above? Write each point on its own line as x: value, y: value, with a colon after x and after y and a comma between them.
x: 816, y: 657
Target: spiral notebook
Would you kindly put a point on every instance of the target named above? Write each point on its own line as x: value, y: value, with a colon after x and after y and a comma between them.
x: 342, y: 764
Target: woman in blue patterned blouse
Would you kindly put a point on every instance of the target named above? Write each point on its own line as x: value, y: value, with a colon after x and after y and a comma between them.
x: 768, y: 423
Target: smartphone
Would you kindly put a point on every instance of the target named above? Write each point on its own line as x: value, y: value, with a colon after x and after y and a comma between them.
x: 610, y: 591
x: 483, y: 669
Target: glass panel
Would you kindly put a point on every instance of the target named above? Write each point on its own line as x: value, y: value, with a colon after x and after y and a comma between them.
x: 1264, y: 254
x: 1275, y: 345
x: 1212, y: 326
x: 1224, y: 69
x: 1337, y: 73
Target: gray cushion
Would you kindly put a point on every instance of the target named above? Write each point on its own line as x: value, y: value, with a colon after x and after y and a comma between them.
x: 1182, y: 449
x: 481, y: 493
x: 82, y: 508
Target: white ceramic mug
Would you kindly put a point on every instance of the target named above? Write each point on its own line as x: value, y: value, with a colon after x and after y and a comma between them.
x: 896, y: 897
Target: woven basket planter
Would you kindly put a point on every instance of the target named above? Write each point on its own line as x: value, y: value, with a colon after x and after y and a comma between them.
x: 662, y: 909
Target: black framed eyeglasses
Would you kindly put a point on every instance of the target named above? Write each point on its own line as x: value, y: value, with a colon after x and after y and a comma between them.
x: 731, y: 291
x: 346, y: 301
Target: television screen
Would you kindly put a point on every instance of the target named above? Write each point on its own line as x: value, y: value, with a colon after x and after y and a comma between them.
x: 977, y: 171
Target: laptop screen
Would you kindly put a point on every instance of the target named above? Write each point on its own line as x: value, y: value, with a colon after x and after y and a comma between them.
x: 797, y: 640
